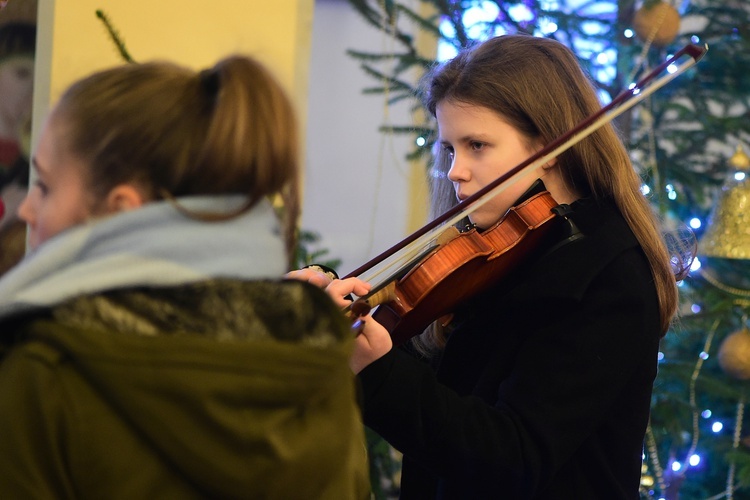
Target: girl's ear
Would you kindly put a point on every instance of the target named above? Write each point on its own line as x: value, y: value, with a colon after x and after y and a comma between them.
x: 538, y: 146
x: 123, y: 198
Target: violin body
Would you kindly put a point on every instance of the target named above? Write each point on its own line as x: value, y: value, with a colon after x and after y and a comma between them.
x: 468, y: 264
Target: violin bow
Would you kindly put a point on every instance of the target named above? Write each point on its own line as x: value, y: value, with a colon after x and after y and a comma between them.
x: 424, y: 236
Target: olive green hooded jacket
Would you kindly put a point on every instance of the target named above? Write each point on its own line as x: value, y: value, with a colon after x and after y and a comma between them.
x: 100, y: 400
x: 149, y: 355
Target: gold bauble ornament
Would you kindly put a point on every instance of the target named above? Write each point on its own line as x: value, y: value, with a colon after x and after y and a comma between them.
x: 734, y: 354
x: 660, y: 21
x: 728, y: 233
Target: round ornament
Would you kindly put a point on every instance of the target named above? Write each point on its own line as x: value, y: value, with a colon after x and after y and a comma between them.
x: 660, y: 20
x: 734, y: 354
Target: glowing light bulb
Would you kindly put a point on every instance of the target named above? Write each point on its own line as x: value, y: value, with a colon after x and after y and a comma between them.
x: 696, y: 264
x: 549, y: 27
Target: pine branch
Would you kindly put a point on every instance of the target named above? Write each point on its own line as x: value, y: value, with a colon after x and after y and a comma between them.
x: 392, y: 83
x: 410, y: 58
x: 401, y: 129
x: 370, y: 15
x: 383, y: 19
x: 116, y: 39
x: 428, y: 25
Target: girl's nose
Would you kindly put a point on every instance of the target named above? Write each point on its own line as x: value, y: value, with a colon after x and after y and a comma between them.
x: 24, y: 210
x: 458, y: 171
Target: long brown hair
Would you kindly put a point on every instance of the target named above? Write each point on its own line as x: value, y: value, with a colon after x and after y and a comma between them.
x: 176, y: 132
x: 537, y: 85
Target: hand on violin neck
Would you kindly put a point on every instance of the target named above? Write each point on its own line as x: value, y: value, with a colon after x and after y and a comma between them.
x: 341, y: 291
x: 312, y: 275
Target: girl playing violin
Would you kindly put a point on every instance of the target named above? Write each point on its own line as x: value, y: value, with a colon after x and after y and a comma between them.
x: 540, y: 389
x: 149, y: 348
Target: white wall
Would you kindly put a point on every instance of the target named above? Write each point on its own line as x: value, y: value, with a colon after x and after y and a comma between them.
x: 356, y: 193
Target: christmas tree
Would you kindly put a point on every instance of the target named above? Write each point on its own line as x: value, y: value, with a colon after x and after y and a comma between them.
x: 686, y: 141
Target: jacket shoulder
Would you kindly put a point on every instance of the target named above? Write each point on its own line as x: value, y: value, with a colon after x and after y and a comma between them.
x: 608, y: 248
x: 287, y: 310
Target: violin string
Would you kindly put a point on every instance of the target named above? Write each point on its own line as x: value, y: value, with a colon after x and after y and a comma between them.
x: 394, y: 267
x: 388, y: 279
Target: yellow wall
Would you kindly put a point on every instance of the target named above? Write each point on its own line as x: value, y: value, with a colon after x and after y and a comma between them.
x: 73, y: 41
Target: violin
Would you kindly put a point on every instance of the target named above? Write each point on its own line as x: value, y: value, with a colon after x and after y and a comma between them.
x: 456, y: 266
x: 469, y: 263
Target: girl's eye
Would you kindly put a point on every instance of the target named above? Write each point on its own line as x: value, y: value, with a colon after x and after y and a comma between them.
x: 477, y: 146
x: 42, y: 186
x: 449, y: 150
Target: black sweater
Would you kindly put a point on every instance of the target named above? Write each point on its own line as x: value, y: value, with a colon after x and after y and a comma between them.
x: 541, y: 392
